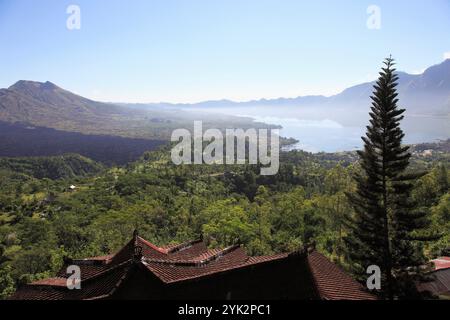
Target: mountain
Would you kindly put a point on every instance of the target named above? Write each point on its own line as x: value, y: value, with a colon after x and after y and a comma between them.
x: 426, y: 93
x: 45, y: 104
x: 53, y: 95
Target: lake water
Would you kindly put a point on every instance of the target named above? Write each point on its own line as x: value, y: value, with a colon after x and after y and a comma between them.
x: 341, y: 130
x: 317, y: 135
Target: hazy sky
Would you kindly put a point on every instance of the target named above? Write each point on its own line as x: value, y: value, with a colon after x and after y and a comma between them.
x: 192, y: 50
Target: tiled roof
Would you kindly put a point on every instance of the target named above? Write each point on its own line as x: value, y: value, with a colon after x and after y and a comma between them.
x: 333, y: 283
x: 99, y: 258
x: 441, y: 263
x: 100, y: 285
x: 53, y: 282
x: 177, y: 263
x: 233, y: 258
x: 438, y: 284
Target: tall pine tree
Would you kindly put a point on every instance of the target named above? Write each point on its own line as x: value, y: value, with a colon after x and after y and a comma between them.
x: 386, y: 229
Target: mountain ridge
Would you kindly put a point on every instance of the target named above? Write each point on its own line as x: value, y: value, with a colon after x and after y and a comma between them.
x: 433, y: 78
x: 433, y: 84
x: 44, y: 104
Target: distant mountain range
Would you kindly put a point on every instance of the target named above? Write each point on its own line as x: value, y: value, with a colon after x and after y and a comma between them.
x: 426, y: 93
x: 47, y: 105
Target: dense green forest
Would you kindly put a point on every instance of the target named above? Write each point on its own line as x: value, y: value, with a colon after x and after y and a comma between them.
x: 57, y: 167
x: 42, y: 219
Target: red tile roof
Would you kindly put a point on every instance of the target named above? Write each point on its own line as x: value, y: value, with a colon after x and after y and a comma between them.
x: 438, y: 284
x: 233, y: 258
x: 101, y: 285
x: 53, y: 282
x: 101, y: 276
x: 441, y: 263
x: 333, y: 283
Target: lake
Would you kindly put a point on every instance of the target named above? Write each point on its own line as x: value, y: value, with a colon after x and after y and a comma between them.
x: 333, y: 130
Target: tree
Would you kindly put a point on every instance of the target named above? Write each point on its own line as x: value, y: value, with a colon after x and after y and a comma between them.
x: 441, y: 223
x: 429, y: 188
x: 259, y: 217
x: 334, y: 203
x: 6, y: 282
x: 295, y: 221
x: 386, y: 229
x: 226, y: 223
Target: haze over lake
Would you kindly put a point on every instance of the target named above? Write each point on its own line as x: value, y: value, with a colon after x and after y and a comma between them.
x: 334, y: 129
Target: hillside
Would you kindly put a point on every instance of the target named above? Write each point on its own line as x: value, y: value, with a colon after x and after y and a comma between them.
x: 41, y: 222
x: 58, y: 167
x: 18, y: 140
x: 42, y: 119
x: 47, y: 105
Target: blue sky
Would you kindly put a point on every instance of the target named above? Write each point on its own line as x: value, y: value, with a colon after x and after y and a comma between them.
x: 193, y: 50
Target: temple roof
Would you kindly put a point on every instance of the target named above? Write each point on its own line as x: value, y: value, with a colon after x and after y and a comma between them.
x: 101, y: 276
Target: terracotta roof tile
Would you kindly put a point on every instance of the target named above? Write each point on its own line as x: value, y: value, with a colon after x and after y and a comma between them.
x: 439, y: 283
x: 87, y: 271
x: 223, y: 260
x: 333, y: 283
x: 100, y: 258
x: 176, y: 263
x: 178, y: 271
x: 55, y: 289
x: 54, y: 282
x: 441, y: 263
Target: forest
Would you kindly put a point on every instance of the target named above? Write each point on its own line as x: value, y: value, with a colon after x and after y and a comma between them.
x: 25, y: 140
x: 42, y: 220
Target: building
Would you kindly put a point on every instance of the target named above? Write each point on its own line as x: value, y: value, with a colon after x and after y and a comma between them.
x: 441, y: 263
x: 190, y: 271
x: 438, y: 284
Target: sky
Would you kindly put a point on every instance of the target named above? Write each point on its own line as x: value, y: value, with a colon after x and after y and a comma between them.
x: 197, y: 50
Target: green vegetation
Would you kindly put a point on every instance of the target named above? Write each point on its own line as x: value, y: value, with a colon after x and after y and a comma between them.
x: 58, y: 167
x: 387, y: 227
x: 42, y: 220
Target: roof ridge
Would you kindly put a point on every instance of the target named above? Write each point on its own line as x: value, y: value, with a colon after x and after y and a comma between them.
x: 114, y: 289
x: 268, y: 257
x: 151, y: 245
x: 92, y: 260
x: 40, y: 283
x: 183, y: 245
x: 114, y: 267
x: 194, y: 262
x: 243, y: 264
x: 437, y: 270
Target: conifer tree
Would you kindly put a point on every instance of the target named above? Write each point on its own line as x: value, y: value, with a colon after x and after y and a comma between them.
x: 387, y: 229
